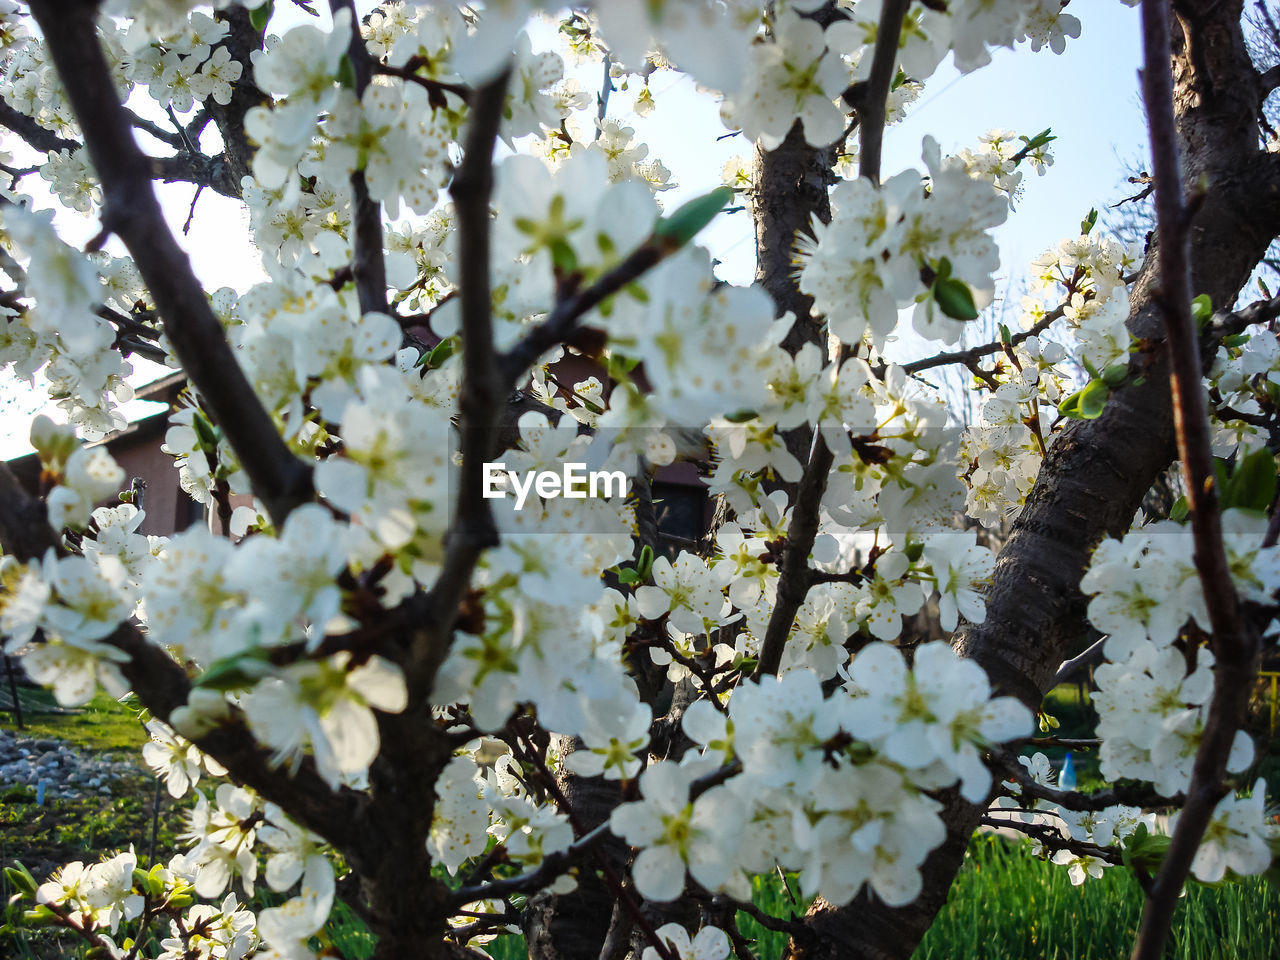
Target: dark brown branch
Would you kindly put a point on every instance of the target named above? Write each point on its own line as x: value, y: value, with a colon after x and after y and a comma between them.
x: 553, y: 865
x: 795, y: 577
x: 871, y: 108
x: 131, y: 211
x: 1233, y: 641
x: 1126, y: 794
x: 473, y: 530
x: 174, y: 138
x: 563, y: 320
x: 435, y: 88
x: 368, y: 263
x: 974, y: 354
x: 1052, y: 838
x: 1269, y: 79
x: 39, y: 137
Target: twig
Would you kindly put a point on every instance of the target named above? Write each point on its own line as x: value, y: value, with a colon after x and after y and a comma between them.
x: 473, y: 530
x: 1234, y: 642
x: 1069, y: 668
x: 1052, y: 838
x: 973, y: 354
x: 1121, y: 794
x: 871, y: 106
x: 437, y: 88
x: 368, y: 263
x: 795, y: 577
x: 553, y: 865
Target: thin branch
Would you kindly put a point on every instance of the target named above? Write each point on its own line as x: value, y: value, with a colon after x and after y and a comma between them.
x: 39, y: 137
x: 436, y: 89
x: 1069, y: 668
x: 1234, y: 643
x: 974, y: 354
x: 795, y: 577
x: 368, y: 263
x: 563, y: 320
x: 553, y: 865
x: 1052, y: 838
x: 1227, y: 322
x: 473, y: 530
x: 131, y: 211
x: 174, y: 139
x: 871, y: 108
x: 602, y: 98
x: 1121, y: 794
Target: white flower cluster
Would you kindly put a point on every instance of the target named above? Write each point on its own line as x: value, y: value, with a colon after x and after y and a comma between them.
x: 1153, y: 698
x: 883, y: 242
x: 830, y: 786
x: 1083, y: 282
x: 1103, y: 828
x: 60, y: 331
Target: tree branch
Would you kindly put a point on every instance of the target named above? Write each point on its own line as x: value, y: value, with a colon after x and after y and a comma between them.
x: 473, y: 530
x: 1126, y: 794
x: 552, y: 866
x: 368, y: 263
x: 795, y: 577
x: 974, y: 354
x: 871, y: 107
x: 131, y: 210
x: 1233, y: 641
x: 563, y: 320
x: 39, y: 137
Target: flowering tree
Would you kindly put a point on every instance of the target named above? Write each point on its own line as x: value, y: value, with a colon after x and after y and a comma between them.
x: 466, y: 719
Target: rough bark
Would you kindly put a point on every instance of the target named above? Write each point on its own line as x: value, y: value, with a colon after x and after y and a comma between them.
x: 789, y: 188
x: 1097, y: 472
x: 560, y: 927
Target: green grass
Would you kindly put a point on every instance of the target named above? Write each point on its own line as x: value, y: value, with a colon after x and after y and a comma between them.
x: 1005, y: 905
x: 102, y: 724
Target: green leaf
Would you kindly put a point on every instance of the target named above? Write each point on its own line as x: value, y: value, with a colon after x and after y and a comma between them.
x: 683, y: 225
x: 1201, y: 310
x: 628, y: 576
x: 955, y: 298
x: 259, y: 17
x: 20, y: 878
x: 1070, y: 406
x: 1093, y: 398
x: 347, y: 72
x: 206, y: 437
x: 1090, y: 221
x: 236, y: 672
x: 39, y: 915
x: 741, y: 416
x: 1115, y: 375
x: 1253, y: 483
x: 1005, y: 336
x: 943, y: 270
x: 1236, y: 340
x: 563, y: 257
x: 645, y: 564
x: 1179, y: 510
x: 441, y: 352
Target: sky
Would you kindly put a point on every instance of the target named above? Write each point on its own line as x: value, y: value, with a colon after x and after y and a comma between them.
x: 1088, y: 96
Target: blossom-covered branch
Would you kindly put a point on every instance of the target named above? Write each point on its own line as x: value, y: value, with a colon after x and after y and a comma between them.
x: 1233, y: 641
x: 131, y: 210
